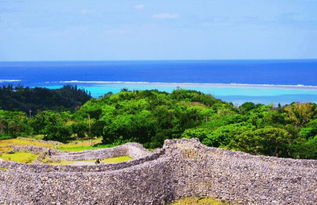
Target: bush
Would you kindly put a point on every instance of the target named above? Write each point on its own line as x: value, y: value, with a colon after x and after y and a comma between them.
x: 58, y: 133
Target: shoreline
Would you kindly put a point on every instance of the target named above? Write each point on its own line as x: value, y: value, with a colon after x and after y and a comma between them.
x: 167, y: 84
x: 229, y: 92
x: 235, y: 93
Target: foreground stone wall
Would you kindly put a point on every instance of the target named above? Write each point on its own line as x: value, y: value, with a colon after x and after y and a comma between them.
x: 242, y: 178
x: 181, y: 168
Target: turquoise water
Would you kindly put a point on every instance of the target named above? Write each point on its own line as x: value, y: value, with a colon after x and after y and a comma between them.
x: 237, y: 81
x: 237, y: 94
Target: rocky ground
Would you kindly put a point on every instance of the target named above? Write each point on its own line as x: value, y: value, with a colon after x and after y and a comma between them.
x: 181, y: 168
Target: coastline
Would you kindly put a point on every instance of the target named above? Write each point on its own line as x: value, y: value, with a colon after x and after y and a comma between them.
x: 220, y: 85
x: 233, y: 92
x: 237, y: 93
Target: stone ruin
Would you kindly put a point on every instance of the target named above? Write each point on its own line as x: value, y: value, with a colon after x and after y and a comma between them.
x: 181, y: 168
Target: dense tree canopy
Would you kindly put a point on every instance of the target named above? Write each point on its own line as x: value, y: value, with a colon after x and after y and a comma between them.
x: 39, y: 99
x: 150, y: 117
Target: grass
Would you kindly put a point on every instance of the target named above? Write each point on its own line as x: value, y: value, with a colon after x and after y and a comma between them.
x: 81, y: 145
x: 22, y: 142
x: 117, y: 159
x: 107, y: 160
x: 198, y: 201
x: 22, y: 157
x: 78, y: 147
x: 74, y: 146
x: 64, y: 162
x: 3, y: 169
x: 27, y: 157
x: 4, y: 149
x: 36, y: 137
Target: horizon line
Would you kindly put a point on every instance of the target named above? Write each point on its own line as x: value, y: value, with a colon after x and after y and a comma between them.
x: 152, y: 60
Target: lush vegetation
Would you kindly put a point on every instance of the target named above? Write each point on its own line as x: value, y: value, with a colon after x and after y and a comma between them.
x: 33, y: 100
x: 150, y: 117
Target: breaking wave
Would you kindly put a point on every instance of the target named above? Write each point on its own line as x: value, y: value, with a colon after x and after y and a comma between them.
x: 298, y: 86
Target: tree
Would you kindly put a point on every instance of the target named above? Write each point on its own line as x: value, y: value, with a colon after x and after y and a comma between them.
x: 67, y: 98
x: 222, y: 136
x: 310, y: 130
x: 80, y: 129
x: 305, y: 149
x: 200, y: 133
x: 268, y: 141
x: 246, y: 107
x: 58, y: 133
x: 300, y: 113
x: 43, y: 120
x: 14, y: 124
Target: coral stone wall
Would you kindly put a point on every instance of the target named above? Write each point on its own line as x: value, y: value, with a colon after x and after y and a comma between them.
x: 181, y: 168
x: 133, y: 150
x: 242, y: 178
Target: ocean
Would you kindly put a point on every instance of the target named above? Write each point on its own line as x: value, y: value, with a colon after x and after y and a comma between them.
x: 237, y: 81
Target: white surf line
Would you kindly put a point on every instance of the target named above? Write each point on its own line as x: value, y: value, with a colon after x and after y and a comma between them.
x: 232, y: 85
x: 9, y: 80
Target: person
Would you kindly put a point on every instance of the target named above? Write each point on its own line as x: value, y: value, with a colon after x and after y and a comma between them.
x: 49, y: 153
x: 98, y: 161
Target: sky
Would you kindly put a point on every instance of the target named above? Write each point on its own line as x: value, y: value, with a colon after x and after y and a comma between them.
x: 63, y: 30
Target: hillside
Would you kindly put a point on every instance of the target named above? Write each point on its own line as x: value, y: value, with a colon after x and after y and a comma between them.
x: 149, y: 117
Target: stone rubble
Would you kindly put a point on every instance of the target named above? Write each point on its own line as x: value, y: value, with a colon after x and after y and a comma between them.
x: 181, y: 168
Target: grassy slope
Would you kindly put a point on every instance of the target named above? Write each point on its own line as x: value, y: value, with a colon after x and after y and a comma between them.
x: 22, y: 157
x: 22, y: 142
x: 73, y: 146
x: 26, y: 157
x: 107, y: 160
x: 78, y: 147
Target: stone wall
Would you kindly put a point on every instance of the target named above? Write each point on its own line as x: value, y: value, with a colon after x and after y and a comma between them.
x: 133, y: 150
x: 181, y: 168
x: 34, y: 149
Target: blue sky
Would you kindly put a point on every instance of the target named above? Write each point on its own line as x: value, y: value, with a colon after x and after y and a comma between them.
x: 40, y: 30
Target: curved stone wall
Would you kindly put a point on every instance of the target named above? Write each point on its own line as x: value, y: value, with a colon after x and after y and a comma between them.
x: 133, y: 150
x: 181, y: 168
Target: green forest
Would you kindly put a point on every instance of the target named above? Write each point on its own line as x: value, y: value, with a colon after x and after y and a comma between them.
x: 149, y: 117
x: 33, y: 100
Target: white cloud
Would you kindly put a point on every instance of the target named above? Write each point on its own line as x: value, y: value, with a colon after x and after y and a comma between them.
x: 165, y: 16
x: 139, y: 6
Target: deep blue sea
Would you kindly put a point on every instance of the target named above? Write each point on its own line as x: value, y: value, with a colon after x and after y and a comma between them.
x: 238, y: 81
